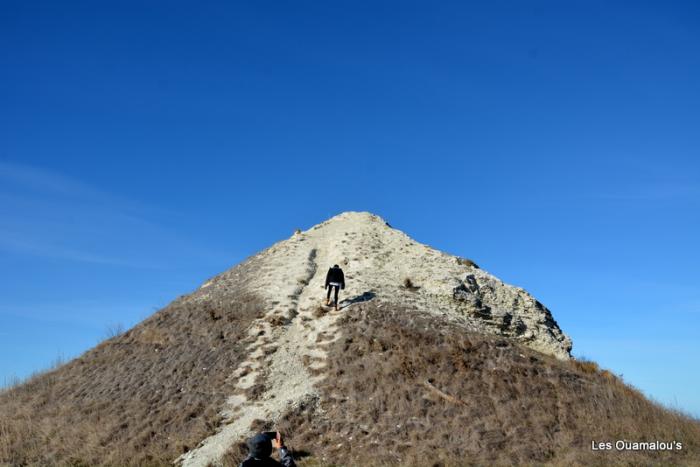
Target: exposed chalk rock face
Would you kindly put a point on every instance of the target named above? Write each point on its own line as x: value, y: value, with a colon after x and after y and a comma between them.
x: 381, y: 264
x: 378, y: 260
x: 508, y: 311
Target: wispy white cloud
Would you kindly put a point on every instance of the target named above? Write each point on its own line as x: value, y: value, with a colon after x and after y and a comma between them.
x: 47, y: 214
x: 41, y: 180
x: 81, y: 312
x: 52, y: 185
x: 12, y: 243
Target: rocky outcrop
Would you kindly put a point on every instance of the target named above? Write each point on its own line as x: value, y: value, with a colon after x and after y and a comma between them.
x: 511, y: 312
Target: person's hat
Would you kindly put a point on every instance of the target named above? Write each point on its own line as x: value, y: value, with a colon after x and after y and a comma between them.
x: 260, y: 446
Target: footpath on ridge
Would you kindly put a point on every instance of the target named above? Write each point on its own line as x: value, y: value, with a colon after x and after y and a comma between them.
x: 288, y: 345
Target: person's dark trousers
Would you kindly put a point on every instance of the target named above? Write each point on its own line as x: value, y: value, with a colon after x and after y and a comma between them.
x: 328, y: 295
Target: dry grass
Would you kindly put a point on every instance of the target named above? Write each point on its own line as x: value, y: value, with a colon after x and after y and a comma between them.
x: 320, y: 311
x: 403, y: 389
x: 277, y: 320
x: 114, y: 330
x: 586, y: 366
x: 141, y: 398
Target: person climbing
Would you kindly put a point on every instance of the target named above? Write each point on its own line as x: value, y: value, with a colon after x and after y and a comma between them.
x: 259, y: 450
x: 334, y: 279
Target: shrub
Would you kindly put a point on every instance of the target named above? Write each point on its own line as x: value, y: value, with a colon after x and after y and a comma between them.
x: 114, y: 330
x: 319, y: 311
x: 586, y: 366
x: 467, y: 262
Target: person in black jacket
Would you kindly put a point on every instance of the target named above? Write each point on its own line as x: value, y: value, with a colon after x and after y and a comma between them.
x: 260, y: 447
x: 334, y: 279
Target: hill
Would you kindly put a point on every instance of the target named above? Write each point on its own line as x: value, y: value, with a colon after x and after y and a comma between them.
x: 430, y: 360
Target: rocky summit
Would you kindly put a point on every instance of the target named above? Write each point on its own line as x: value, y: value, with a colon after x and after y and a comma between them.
x: 385, y: 263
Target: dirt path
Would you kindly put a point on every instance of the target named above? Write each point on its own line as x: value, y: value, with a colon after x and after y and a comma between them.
x: 281, y: 357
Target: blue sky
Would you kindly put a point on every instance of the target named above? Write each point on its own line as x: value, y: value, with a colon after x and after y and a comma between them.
x: 147, y: 146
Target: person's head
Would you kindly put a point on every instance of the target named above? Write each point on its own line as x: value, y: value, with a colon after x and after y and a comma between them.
x: 336, y: 266
x: 260, y: 446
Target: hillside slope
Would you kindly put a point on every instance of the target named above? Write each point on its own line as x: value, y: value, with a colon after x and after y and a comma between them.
x: 141, y: 398
x: 401, y: 388
x: 428, y: 350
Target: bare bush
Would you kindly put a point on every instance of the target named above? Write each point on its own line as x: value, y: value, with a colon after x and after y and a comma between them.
x: 467, y: 262
x: 320, y: 311
x: 586, y: 366
x: 114, y: 330
x: 409, y: 285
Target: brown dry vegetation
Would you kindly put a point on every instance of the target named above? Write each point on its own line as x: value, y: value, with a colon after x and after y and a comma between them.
x: 467, y: 262
x: 141, y: 398
x: 404, y: 389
